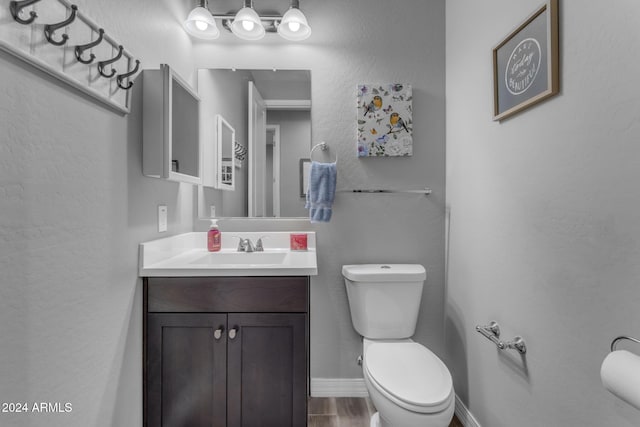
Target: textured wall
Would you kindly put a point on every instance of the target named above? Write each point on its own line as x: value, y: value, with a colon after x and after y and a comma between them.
x: 74, y: 207
x: 364, y: 42
x: 544, y: 232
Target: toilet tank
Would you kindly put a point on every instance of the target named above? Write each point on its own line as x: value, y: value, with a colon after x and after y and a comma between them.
x: 384, y: 299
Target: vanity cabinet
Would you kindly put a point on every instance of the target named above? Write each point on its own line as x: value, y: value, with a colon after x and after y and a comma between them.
x: 226, y: 351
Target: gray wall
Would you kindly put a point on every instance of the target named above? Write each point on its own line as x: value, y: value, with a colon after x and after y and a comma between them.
x: 544, y: 232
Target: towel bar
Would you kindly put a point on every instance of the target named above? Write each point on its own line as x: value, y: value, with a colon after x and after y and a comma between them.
x: 614, y: 343
x: 425, y: 191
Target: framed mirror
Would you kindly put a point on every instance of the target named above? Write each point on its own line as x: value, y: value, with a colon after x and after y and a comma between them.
x: 271, y: 114
x: 171, y: 143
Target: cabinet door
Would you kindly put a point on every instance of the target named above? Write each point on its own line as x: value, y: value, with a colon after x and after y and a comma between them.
x: 267, y: 370
x: 170, y: 127
x: 186, y: 370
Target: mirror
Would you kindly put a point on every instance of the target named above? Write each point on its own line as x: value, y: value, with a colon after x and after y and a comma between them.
x: 170, y: 118
x: 271, y: 114
x: 185, y: 148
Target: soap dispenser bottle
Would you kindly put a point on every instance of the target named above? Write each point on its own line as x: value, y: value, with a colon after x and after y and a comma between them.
x: 214, y: 237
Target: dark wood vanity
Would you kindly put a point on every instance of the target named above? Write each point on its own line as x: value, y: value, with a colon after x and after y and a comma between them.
x: 226, y: 351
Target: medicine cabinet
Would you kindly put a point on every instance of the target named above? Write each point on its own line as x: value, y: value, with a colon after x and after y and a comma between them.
x: 171, y: 136
x: 226, y: 136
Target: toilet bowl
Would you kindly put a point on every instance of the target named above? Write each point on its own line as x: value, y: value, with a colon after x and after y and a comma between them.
x: 408, y: 384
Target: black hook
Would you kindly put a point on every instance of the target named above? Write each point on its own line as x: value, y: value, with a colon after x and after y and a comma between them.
x: 82, y: 47
x: 50, y: 29
x: 16, y: 6
x: 121, y: 77
x: 102, y: 64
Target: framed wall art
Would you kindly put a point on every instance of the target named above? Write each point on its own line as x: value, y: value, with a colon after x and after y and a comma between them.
x: 385, y: 123
x: 525, y: 63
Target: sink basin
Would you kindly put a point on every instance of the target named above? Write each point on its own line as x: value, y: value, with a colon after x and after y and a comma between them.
x: 241, y: 258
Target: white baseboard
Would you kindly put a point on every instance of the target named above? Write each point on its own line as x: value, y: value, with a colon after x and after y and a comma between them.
x: 463, y: 414
x: 355, y: 387
x: 338, y: 387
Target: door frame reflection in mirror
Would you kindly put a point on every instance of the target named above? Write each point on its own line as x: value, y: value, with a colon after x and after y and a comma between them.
x: 220, y: 90
x: 226, y: 136
x: 273, y: 167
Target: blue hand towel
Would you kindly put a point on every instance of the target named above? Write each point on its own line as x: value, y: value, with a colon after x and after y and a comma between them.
x: 321, y: 191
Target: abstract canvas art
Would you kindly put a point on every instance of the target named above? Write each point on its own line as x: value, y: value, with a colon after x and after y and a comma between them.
x: 385, y: 123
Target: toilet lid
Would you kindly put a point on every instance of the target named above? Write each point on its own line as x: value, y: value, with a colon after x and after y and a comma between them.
x: 410, y: 373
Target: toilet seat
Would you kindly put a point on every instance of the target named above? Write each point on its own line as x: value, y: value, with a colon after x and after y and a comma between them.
x: 410, y: 375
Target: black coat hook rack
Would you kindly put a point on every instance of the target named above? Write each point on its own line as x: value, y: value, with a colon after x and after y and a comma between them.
x: 23, y: 38
x: 50, y: 29
x: 15, y: 7
x: 79, y: 50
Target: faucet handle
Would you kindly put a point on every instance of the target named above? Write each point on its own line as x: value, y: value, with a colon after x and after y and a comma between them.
x: 241, y: 246
x: 259, y: 244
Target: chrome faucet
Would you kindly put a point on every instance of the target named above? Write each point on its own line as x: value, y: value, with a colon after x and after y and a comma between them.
x: 246, y: 245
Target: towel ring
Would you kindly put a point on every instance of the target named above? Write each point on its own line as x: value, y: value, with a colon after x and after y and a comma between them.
x: 324, y: 147
x: 614, y: 343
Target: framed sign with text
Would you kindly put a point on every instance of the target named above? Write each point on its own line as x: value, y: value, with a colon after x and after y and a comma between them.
x: 525, y: 63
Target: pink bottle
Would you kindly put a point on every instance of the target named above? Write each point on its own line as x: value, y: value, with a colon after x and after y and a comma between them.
x: 214, y: 237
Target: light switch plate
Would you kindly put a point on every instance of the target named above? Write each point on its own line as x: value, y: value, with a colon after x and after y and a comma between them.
x: 162, y: 218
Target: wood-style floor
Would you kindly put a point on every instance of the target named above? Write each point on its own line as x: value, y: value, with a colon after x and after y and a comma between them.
x: 345, y: 412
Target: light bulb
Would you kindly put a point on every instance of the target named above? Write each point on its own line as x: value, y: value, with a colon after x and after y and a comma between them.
x: 294, y: 26
x: 248, y: 25
x: 201, y: 25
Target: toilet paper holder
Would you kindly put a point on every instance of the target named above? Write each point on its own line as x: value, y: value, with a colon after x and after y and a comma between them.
x: 615, y: 342
x: 492, y: 333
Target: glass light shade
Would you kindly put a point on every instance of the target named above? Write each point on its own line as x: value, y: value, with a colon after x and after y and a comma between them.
x: 294, y: 25
x: 201, y: 24
x: 247, y: 24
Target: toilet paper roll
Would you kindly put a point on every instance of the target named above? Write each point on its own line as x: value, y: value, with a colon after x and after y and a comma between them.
x: 620, y: 374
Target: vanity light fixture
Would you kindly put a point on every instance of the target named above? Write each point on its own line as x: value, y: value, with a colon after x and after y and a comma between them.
x: 200, y: 23
x: 247, y: 24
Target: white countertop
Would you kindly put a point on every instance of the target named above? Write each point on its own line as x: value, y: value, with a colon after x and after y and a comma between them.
x: 186, y: 255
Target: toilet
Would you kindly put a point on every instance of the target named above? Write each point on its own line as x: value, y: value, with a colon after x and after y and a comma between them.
x: 408, y: 384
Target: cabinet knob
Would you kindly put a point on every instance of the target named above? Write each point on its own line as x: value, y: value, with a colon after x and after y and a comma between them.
x: 217, y: 334
x: 233, y: 332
